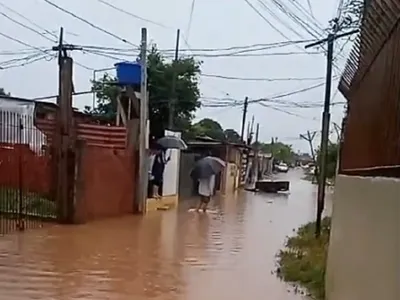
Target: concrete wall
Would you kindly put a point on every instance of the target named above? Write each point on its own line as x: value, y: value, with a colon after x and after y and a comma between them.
x: 171, y: 173
x: 230, y: 178
x: 364, y: 252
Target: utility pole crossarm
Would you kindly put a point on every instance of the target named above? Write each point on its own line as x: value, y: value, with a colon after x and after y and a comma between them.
x: 331, y: 36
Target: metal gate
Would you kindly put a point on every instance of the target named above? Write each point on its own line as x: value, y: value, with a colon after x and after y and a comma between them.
x: 25, y: 174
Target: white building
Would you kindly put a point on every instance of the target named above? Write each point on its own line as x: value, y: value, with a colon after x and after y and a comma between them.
x: 17, y: 123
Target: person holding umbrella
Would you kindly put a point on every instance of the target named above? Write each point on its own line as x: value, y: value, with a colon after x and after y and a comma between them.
x: 206, y: 191
x: 157, y: 169
x: 158, y: 160
x: 204, y: 171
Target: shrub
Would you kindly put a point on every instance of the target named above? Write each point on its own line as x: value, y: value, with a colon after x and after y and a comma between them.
x: 303, y: 260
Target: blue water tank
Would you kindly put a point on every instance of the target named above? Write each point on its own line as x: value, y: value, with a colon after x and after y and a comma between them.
x: 128, y: 73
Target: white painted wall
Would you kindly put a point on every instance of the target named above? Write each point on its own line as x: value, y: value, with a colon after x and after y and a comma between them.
x: 14, y: 111
x: 171, y: 173
x: 364, y: 248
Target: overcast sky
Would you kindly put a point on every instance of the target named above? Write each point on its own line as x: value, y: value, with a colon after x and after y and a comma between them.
x: 214, y: 24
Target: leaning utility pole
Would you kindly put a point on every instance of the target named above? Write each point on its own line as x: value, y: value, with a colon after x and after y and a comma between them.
x: 143, y: 134
x: 310, y: 138
x: 245, y: 105
x: 326, y: 115
x: 172, y: 101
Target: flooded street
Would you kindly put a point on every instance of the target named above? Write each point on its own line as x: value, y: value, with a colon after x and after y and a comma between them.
x: 175, y: 255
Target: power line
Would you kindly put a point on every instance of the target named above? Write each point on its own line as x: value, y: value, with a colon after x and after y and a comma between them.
x: 26, y: 61
x: 10, y: 61
x: 259, y: 46
x: 22, y: 43
x: 266, y: 20
x: 278, y: 19
x: 310, y: 8
x: 118, y: 55
x: 284, y: 111
x: 245, y: 53
x: 302, y: 90
x: 132, y: 15
x: 261, y: 79
x: 307, y: 26
x: 28, y: 20
x: 234, y: 102
x: 35, y: 31
x: 308, y: 15
x: 190, y: 18
x: 89, y: 23
x: 21, y: 51
x: 27, y: 27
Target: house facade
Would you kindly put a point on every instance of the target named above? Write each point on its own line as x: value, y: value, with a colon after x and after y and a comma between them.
x: 364, y: 251
x: 227, y: 181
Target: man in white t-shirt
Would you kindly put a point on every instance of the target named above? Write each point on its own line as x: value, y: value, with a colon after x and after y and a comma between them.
x: 206, y: 191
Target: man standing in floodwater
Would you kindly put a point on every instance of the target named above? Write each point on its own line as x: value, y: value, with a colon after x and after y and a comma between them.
x: 206, y: 191
x: 157, y: 169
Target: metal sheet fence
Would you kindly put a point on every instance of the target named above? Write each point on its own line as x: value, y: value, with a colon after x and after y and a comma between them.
x: 371, y: 84
x: 25, y: 174
x: 94, y: 135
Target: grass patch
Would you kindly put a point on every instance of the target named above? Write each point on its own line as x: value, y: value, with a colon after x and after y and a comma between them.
x: 303, y: 260
x: 33, y: 205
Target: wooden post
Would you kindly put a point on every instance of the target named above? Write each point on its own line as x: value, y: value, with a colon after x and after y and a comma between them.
x: 63, y: 145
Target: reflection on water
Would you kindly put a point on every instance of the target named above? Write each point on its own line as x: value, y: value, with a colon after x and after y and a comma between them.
x: 228, y: 254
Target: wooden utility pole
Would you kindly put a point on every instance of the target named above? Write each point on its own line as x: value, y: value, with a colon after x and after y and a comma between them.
x: 338, y: 130
x: 309, y: 137
x: 172, y: 101
x: 256, y: 152
x: 63, y: 136
x: 330, y: 40
x: 245, y: 152
x: 245, y: 105
x: 143, y: 132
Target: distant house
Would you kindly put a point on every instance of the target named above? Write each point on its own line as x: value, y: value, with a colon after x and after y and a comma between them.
x: 20, y: 121
x: 17, y: 123
x: 204, y: 146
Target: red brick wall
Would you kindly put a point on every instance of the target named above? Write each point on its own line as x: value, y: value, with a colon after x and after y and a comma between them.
x: 107, y: 173
x: 106, y: 183
x: 107, y: 188
x: 35, y: 169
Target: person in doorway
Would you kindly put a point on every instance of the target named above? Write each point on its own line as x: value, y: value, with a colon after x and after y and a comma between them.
x: 206, y: 191
x: 157, y: 170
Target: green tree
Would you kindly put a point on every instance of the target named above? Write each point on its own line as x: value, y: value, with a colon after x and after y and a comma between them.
x: 3, y: 92
x: 160, y: 76
x: 232, y: 136
x: 280, y: 151
x: 331, y: 159
x: 208, y: 127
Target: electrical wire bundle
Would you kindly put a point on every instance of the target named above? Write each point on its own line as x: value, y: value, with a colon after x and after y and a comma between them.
x: 293, y: 11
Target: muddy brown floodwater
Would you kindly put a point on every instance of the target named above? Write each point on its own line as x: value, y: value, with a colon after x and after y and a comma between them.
x: 166, y: 255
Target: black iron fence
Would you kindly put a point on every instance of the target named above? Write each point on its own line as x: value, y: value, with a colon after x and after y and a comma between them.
x: 25, y: 174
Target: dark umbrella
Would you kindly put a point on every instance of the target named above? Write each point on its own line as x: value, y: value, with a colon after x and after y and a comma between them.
x: 172, y: 142
x: 207, y: 166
